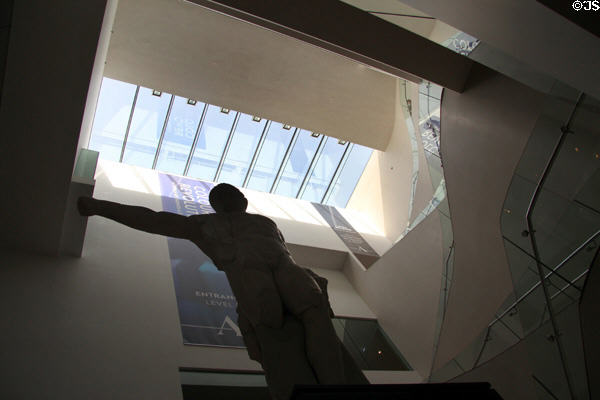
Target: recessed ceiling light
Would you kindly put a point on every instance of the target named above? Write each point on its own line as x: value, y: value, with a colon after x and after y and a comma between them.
x: 256, y: 119
x: 288, y: 127
x: 225, y: 110
x: 191, y: 102
x: 314, y: 134
x: 342, y: 142
x: 156, y: 92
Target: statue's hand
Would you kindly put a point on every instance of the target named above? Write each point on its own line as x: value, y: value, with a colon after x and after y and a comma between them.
x: 86, y: 206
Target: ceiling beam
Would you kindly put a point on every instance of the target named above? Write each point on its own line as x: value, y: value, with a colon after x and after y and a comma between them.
x: 356, y: 34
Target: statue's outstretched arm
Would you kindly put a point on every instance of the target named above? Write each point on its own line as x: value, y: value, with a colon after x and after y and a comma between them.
x: 141, y: 218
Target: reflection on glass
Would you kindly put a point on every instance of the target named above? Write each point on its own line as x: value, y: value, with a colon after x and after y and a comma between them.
x: 270, y: 157
x: 368, y: 345
x: 211, y: 143
x: 348, y: 177
x: 429, y: 122
x: 324, y: 169
x: 112, y: 116
x: 146, y: 126
x: 243, y: 145
x: 298, y: 164
x: 179, y: 135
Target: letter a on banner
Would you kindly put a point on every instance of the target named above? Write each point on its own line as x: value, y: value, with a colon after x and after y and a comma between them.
x: 232, y: 325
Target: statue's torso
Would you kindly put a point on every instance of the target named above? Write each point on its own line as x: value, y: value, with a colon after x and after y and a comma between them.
x: 248, y: 248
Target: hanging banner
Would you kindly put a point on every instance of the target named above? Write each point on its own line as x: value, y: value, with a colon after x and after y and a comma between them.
x: 207, y: 307
x: 351, y: 238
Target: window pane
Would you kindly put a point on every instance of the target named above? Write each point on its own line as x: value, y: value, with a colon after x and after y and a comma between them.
x: 179, y: 135
x: 324, y: 169
x: 242, y: 148
x: 298, y: 164
x: 211, y: 142
x: 270, y: 157
x: 146, y: 126
x: 112, y: 116
x: 349, y: 175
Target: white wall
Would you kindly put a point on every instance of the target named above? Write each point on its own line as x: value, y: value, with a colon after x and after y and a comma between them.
x: 384, y: 189
x: 344, y: 300
x: 403, y: 289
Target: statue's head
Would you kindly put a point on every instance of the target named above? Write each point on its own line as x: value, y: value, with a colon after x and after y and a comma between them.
x: 227, y: 198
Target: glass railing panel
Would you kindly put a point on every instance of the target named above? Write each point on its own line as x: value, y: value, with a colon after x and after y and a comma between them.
x: 513, y: 213
x: 468, y: 358
x: 577, y: 161
x: 500, y: 337
x: 589, y: 195
x: 571, y: 339
x: 368, y: 345
x: 523, y: 268
x: 443, y: 206
x: 556, y: 110
x: 545, y: 361
x: 509, y: 314
x: 450, y: 370
x: 348, y: 342
x: 533, y: 310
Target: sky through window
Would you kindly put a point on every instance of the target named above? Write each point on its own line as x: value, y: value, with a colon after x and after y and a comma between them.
x: 154, y: 129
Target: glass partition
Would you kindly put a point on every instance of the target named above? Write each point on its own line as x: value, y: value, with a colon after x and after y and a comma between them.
x: 559, y: 165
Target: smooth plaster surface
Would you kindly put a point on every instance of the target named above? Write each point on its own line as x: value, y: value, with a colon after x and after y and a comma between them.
x: 403, y: 288
x: 384, y: 189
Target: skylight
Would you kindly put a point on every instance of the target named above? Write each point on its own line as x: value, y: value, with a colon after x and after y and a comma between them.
x: 153, y: 129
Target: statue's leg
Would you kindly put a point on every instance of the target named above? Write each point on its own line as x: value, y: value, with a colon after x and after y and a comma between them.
x: 304, y: 298
x: 323, y: 347
x: 283, y: 357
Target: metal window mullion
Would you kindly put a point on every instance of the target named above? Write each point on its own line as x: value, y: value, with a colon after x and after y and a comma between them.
x: 261, y: 141
x: 162, y: 133
x: 195, y: 142
x: 311, y: 168
x: 227, y: 145
x: 337, y: 172
x: 285, y: 159
x: 137, y: 90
